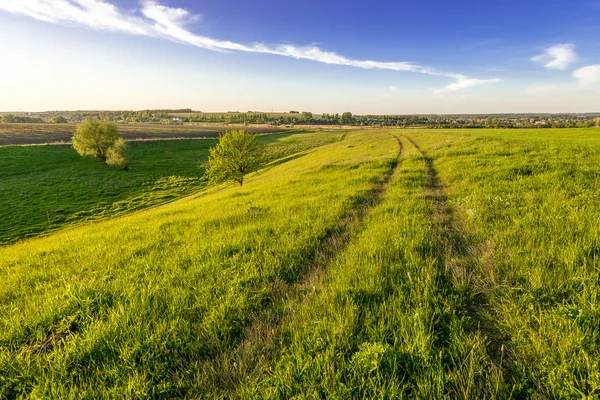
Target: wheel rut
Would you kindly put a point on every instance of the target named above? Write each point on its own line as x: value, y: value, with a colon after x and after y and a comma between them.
x: 257, y: 341
x: 461, y: 260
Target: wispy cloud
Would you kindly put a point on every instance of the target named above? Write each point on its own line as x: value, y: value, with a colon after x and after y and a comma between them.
x: 464, y: 82
x: 560, y: 56
x: 160, y: 21
x: 589, y: 75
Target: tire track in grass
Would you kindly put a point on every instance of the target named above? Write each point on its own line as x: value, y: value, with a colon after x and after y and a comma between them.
x: 461, y: 259
x: 228, y: 371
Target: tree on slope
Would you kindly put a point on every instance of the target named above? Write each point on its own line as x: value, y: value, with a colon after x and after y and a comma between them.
x: 100, y: 139
x: 237, y: 154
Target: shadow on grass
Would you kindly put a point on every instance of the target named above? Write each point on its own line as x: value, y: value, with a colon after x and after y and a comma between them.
x: 459, y: 261
x: 248, y: 347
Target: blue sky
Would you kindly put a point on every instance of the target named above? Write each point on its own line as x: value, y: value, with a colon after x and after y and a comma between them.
x: 397, y: 57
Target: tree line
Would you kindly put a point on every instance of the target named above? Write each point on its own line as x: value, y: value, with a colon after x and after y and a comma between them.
x: 293, y: 118
x: 405, y: 121
x: 20, y: 119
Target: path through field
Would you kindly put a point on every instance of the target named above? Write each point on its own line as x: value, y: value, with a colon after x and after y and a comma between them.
x: 461, y: 259
x: 257, y: 343
x: 377, y: 264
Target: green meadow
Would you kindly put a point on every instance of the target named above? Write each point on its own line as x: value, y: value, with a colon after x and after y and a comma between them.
x: 47, y: 187
x: 400, y: 263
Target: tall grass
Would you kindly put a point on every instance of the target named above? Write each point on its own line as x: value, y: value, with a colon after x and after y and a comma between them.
x: 383, y: 320
x: 467, y: 266
x: 137, y: 306
x: 530, y: 204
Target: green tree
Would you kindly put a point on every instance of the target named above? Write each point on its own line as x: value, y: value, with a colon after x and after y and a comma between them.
x: 100, y: 138
x: 346, y: 118
x: 237, y: 154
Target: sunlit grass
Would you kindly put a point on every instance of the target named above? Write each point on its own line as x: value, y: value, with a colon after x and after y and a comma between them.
x: 45, y: 188
x: 466, y: 267
x: 530, y: 202
x: 140, y: 303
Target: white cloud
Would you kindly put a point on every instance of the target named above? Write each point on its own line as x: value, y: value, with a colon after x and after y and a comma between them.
x: 464, y: 82
x: 560, y: 56
x: 156, y: 20
x: 589, y: 75
x: 92, y: 13
x: 393, y: 88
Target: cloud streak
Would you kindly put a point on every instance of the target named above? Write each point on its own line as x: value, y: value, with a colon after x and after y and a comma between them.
x: 160, y: 21
x: 588, y: 76
x: 464, y: 82
x: 559, y: 56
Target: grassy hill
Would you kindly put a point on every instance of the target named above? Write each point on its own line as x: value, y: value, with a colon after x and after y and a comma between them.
x: 400, y: 263
x: 48, y: 187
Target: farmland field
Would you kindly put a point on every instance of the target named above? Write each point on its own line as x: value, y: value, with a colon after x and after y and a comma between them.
x: 19, y: 134
x: 370, y: 264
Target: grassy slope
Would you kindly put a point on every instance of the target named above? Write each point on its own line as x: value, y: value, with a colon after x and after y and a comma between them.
x: 45, y: 188
x: 384, y: 318
x: 476, y: 277
x: 529, y: 201
x: 146, y: 301
x: 472, y: 273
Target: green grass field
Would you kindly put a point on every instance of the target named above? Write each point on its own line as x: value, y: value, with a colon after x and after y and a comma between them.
x: 387, y: 264
x: 45, y: 188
